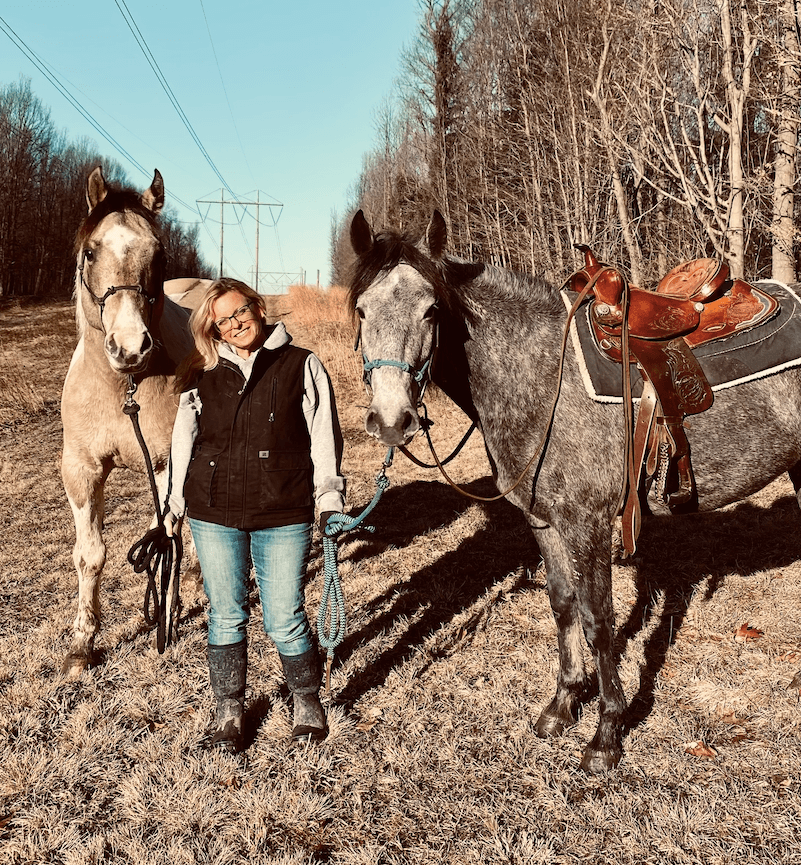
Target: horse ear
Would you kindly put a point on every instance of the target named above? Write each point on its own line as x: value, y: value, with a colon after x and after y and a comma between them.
x: 96, y: 188
x: 153, y: 198
x: 361, y: 235
x: 436, y: 235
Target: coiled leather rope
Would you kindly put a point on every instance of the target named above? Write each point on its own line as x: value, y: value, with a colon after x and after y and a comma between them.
x: 157, y: 554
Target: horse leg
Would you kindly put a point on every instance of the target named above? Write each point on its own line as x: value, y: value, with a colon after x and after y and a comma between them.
x: 579, y: 577
x: 593, y: 570
x: 84, y: 487
x: 571, y: 686
x: 795, y: 478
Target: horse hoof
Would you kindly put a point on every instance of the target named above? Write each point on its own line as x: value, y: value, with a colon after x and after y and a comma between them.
x: 73, y: 666
x: 554, y: 720
x: 549, y: 725
x: 595, y: 762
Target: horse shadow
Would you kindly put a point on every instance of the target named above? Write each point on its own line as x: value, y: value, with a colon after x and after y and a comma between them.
x: 429, y: 598
x: 710, y: 546
x: 665, y: 584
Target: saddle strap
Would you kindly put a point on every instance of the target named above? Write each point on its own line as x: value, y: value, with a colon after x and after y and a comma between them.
x: 632, y: 516
x: 674, y: 385
x: 672, y: 448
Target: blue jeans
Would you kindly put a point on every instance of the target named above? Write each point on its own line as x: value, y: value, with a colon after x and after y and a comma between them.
x: 280, y: 556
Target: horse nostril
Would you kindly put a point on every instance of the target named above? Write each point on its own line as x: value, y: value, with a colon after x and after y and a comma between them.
x: 411, y: 423
x: 370, y: 422
x: 147, y: 343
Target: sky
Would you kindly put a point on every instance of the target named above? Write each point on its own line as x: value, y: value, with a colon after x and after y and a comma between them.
x: 281, y: 94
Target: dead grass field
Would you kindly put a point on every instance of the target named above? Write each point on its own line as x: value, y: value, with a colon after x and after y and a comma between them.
x: 449, y: 657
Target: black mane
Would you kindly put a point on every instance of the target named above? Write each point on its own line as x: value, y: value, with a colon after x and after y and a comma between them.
x: 391, y: 248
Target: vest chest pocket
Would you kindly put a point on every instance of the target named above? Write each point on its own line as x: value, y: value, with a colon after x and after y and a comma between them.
x: 285, y: 479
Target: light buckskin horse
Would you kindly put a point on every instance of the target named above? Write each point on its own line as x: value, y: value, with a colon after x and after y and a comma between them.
x: 126, y: 327
x: 493, y: 342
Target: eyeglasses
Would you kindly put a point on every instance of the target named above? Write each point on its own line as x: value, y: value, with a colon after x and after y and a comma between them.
x: 243, y: 314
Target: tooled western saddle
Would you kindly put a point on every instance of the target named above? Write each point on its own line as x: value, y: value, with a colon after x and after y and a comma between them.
x: 693, y: 304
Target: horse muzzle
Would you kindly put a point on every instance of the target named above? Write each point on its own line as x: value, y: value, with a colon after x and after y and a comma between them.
x: 128, y: 352
x: 393, y: 430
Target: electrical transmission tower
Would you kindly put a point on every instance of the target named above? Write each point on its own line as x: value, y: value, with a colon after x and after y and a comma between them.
x: 242, y: 203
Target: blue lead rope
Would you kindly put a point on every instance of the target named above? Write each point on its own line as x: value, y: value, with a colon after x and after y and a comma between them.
x: 330, y: 638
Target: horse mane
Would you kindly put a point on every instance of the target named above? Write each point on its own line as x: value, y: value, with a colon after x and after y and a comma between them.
x: 445, y: 275
x: 116, y: 201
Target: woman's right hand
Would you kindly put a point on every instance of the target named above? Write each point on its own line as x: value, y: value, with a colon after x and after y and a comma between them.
x: 172, y: 524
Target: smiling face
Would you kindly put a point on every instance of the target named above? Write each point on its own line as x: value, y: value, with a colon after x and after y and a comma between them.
x: 239, y: 322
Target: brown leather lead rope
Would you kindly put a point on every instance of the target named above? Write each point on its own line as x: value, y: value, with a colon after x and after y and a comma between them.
x: 426, y: 423
x: 539, y: 452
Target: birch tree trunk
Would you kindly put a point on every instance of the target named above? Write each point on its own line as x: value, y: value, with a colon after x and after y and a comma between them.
x: 783, y: 230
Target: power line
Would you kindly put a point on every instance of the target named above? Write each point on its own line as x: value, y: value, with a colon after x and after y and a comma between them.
x: 225, y: 91
x: 34, y: 58
x: 153, y: 63
x: 140, y: 40
x: 54, y: 77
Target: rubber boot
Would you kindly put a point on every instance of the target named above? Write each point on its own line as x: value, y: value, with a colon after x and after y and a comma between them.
x: 303, y: 675
x: 227, y: 672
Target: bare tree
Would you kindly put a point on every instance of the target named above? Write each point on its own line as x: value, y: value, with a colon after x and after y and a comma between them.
x: 787, y: 127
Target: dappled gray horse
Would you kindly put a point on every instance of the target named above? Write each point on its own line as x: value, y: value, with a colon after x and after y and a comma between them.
x: 126, y: 327
x: 493, y: 341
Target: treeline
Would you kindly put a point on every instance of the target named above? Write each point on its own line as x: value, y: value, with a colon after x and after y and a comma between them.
x: 42, y: 201
x: 652, y: 131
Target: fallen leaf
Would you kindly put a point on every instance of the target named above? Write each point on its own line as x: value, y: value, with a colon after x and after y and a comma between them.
x: 369, y: 719
x: 232, y: 782
x: 790, y: 656
x: 746, y: 632
x: 700, y: 749
x: 795, y: 683
x: 731, y: 717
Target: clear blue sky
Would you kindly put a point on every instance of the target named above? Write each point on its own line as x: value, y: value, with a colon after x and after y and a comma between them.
x: 303, y: 79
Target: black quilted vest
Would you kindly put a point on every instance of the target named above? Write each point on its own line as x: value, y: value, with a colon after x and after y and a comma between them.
x: 251, y: 464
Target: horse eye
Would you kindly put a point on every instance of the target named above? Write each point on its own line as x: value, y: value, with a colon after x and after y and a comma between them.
x: 88, y: 255
x: 429, y: 313
x: 360, y: 313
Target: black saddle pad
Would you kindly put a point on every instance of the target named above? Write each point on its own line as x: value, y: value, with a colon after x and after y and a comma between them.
x: 760, y: 351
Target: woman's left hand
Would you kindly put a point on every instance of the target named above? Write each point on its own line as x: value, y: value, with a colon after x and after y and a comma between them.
x: 324, y: 520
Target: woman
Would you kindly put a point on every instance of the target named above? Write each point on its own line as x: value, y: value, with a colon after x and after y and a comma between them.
x: 256, y: 442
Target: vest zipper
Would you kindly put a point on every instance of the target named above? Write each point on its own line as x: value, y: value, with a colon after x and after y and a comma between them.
x: 271, y: 418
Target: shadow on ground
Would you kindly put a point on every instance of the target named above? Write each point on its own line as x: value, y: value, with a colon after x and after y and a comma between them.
x: 676, y: 556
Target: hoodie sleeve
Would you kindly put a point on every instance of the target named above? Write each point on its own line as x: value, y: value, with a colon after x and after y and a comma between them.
x: 319, y: 409
x: 184, y: 433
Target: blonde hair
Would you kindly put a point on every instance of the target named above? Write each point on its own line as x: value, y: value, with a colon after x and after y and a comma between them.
x: 205, y: 333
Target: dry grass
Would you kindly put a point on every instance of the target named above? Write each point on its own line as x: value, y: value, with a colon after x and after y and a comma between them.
x: 449, y: 657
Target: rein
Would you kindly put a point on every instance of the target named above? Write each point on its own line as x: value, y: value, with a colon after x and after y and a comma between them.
x: 156, y: 554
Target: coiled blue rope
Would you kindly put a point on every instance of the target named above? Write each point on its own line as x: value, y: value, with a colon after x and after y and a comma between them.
x: 332, y: 602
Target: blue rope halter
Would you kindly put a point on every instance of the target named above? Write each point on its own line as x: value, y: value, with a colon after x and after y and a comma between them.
x: 332, y: 596
x: 417, y: 374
